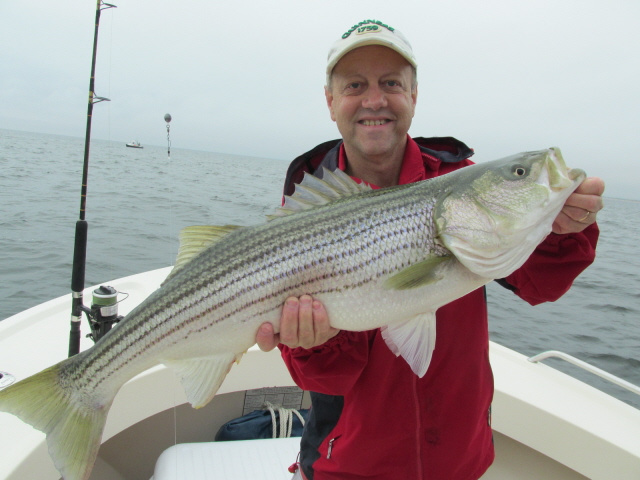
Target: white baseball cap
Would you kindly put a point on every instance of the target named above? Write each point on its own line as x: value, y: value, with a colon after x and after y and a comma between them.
x: 369, y: 32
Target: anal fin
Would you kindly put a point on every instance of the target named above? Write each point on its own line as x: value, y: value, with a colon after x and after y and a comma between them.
x: 201, y: 377
x: 414, y: 340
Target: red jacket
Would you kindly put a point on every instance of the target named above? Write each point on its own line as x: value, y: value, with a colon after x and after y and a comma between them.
x: 371, y: 416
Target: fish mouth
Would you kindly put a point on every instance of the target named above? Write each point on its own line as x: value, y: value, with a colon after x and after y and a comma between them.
x: 560, y: 176
x: 577, y: 173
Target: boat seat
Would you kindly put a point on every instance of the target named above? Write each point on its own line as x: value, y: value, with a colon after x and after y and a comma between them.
x: 266, y: 459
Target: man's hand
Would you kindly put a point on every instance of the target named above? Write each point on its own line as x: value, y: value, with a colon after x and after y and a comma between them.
x: 581, y: 208
x: 304, y: 323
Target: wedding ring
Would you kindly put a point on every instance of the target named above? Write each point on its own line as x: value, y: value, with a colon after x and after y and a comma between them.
x: 585, y: 217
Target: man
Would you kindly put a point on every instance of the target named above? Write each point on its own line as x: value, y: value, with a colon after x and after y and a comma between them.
x: 372, y: 417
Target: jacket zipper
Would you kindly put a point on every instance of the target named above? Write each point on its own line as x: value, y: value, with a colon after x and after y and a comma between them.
x: 330, y: 447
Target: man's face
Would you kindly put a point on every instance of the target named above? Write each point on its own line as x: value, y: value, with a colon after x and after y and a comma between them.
x: 372, y: 99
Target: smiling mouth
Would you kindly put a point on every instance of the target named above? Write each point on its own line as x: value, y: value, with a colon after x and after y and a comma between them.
x: 372, y: 123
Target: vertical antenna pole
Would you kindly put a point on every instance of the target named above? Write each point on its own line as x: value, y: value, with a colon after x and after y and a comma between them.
x: 167, y: 118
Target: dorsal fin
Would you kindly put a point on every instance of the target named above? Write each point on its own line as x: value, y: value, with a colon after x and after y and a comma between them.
x: 313, y: 191
x: 195, y: 239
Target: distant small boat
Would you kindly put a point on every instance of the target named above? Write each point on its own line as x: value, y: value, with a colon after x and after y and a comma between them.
x: 134, y: 145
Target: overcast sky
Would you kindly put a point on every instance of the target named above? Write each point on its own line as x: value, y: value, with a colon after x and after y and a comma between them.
x: 246, y: 77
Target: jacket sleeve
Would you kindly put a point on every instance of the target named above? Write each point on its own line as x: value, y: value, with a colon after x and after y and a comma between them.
x: 554, y: 265
x: 331, y: 368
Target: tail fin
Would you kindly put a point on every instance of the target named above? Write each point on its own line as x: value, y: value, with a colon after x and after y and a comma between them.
x: 73, y: 428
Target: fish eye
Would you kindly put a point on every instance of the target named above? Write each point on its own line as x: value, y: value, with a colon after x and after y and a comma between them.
x: 519, y: 171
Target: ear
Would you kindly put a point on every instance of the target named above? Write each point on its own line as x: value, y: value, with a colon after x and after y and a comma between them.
x: 329, y: 97
x: 414, y: 98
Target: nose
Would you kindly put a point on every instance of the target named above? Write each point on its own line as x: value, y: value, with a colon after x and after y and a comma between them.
x: 374, y: 98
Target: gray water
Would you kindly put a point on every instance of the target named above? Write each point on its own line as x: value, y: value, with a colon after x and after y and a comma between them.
x: 139, y: 199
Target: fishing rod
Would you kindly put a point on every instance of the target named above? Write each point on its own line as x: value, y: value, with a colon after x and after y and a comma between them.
x: 82, y: 227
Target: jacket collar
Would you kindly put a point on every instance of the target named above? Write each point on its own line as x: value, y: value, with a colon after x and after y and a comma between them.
x: 434, y: 150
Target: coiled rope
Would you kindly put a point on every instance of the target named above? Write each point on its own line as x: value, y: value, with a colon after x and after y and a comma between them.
x: 286, y: 419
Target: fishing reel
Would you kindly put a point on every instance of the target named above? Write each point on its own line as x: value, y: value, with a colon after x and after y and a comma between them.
x: 103, y: 313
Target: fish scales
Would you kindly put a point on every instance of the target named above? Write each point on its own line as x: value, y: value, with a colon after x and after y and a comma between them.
x: 216, y: 274
x: 313, y: 267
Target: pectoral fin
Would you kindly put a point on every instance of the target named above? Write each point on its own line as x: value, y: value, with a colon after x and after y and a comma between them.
x: 414, y: 340
x: 201, y: 377
x: 417, y: 275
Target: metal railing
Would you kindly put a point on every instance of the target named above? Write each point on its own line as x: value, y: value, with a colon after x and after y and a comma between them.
x: 586, y: 366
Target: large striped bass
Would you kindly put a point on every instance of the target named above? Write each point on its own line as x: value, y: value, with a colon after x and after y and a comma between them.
x: 385, y: 258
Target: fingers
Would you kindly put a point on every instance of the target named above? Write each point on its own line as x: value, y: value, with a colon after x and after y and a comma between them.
x: 305, y: 323
x: 586, y: 199
x: 322, y: 326
x: 306, y: 328
x: 581, y: 215
x: 591, y: 186
x: 289, y: 322
x: 266, y: 339
x: 581, y: 208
